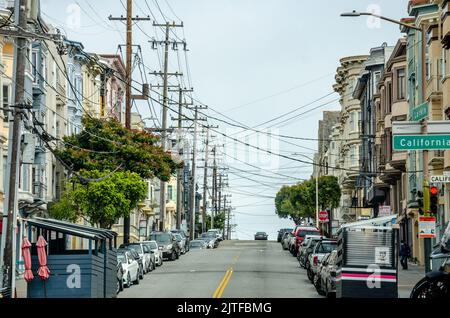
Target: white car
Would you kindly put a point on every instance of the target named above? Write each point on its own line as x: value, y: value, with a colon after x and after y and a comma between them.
x: 130, y: 267
x: 153, y: 246
x: 145, y: 257
x: 216, y: 232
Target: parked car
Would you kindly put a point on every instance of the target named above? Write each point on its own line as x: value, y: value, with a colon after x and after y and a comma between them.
x: 285, y: 240
x: 212, y: 237
x: 281, y: 233
x: 148, y: 251
x: 322, y: 248
x: 181, y: 243
x: 184, y: 236
x: 209, y: 240
x: 328, y: 274
x: 140, y: 261
x: 130, y: 267
x: 216, y: 232
x: 167, y: 243
x: 306, y: 248
x: 153, y: 246
x: 119, y: 275
x: 261, y: 236
x: 198, y: 245
x: 300, y: 233
x: 146, y: 257
x: 317, y: 277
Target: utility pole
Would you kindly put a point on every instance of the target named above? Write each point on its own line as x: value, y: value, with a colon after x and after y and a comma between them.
x: 180, y: 152
x: 228, y: 224
x: 193, y: 176
x: 205, y: 182
x: 9, y: 255
x: 128, y: 98
x: 214, y: 189
x: 165, y: 74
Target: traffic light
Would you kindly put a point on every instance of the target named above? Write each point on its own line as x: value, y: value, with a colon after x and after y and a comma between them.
x: 419, y: 199
x: 434, y: 200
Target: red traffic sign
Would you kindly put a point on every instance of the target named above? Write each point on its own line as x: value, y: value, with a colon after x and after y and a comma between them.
x: 323, y: 216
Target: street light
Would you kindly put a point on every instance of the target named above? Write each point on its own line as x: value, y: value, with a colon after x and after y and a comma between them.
x: 354, y: 13
x: 358, y: 14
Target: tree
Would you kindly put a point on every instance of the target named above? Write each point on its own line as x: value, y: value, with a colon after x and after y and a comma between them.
x: 119, y: 160
x: 104, y: 144
x: 299, y: 201
x: 102, y: 202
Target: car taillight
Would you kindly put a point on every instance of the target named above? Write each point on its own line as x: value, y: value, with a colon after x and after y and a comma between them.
x: 316, y: 260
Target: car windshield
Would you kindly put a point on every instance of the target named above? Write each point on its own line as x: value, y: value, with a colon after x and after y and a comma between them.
x: 260, y: 233
x: 304, y: 233
x: 136, y: 247
x: 327, y: 247
x: 161, y: 237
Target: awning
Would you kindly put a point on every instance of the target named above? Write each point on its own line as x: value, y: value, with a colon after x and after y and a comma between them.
x: 72, y: 229
x: 385, y: 221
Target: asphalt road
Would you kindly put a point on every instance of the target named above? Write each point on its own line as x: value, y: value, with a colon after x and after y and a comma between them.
x: 237, y: 269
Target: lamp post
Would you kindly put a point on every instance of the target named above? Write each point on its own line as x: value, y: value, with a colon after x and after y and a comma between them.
x: 427, y: 241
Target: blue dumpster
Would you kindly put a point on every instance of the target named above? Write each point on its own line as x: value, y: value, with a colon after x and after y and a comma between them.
x: 88, y: 271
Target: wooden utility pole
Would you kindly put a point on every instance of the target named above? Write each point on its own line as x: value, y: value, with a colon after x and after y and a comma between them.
x: 165, y: 74
x: 193, y: 175
x: 128, y: 97
x: 205, y: 181
x: 9, y: 255
x: 214, y: 189
x: 180, y: 171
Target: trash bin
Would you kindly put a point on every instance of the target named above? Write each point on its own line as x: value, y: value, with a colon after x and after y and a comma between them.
x: 82, y: 260
x: 367, y: 259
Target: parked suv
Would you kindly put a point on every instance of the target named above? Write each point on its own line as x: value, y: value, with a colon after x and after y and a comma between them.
x: 321, y: 249
x: 167, y: 243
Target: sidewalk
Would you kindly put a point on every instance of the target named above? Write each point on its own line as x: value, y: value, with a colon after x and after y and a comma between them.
x: 407, y: 279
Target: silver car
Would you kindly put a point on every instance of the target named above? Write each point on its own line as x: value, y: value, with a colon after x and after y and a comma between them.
x: 181, y: 241
x: 321, y: 249
x: 153, y: 246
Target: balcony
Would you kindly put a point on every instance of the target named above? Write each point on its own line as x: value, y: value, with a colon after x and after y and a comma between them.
x: 390, y: 175
x: 436, y: 158
x: 398, y: 160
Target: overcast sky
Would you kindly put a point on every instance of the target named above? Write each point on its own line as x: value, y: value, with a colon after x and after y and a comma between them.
x: 252, y: 60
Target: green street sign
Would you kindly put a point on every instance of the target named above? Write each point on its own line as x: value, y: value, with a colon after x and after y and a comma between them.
x: 421, y: 142
x: 420, y: 112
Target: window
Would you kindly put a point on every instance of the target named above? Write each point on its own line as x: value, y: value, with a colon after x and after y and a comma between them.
x: 169, y: 192
x: 34, y: 62
x: 376, y: 80
x: 389, y: 98
x: 6, y: 101
x: 401, y: 84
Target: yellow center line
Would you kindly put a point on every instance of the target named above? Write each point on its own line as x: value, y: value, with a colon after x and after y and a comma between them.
x: 224, y: 282
x: 227, y: 273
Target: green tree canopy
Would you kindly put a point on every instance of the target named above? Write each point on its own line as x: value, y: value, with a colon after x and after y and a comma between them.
x: 102, y: 202
x: 299, y: 201
x: 106, y: 144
